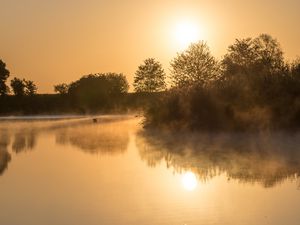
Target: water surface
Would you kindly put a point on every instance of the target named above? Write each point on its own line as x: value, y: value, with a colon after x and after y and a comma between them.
x: 74, y: 171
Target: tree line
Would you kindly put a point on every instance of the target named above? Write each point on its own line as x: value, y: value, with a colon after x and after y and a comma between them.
x: 99, y: 92
x: 194, y: 66
x: 19, y: 87
x: 252, y: 85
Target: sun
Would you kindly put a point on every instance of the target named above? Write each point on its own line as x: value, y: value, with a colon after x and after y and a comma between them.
x: 185, y: 33
x: 189, y: 181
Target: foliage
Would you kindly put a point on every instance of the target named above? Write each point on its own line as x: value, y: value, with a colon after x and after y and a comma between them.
x: 269, y: 53
x: 252, y: 88
x: 251, y: 56
x: 61, y: 88
x: 194, y: 66
x: 98, y: 90
x: 150, y: 77
x: 65, y: 104
x: 258, y: 90
x: 4, y: 74
x: 30, y: 87
x: 109, y: 83
x: 23, y: 87
x: 117, y: 83
x: 18, y: 86
x: 295, y: 68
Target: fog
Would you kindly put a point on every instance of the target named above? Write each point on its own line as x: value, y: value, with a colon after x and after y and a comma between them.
x: 265, y: 158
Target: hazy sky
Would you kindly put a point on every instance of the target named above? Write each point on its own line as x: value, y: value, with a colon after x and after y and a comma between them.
x: 55, y: 41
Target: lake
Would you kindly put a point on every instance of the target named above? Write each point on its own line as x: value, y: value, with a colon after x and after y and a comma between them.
x: 110, y: 171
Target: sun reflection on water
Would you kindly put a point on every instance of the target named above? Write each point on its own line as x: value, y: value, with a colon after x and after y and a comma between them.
x: 189, y: 181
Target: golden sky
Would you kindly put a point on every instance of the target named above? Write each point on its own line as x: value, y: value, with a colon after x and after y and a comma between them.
x: 55, y: 41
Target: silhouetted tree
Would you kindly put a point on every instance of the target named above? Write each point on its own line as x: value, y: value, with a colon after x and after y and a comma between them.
x: 97, y: 90
x: 195, y: 65
x: 150, y: 77
x: 240, y: 58
x: 257, y: 89
x: 252, y: 56
x: 295, y: 68
x: 61, y: 88
x: 23, y: 87
x: 117, y: 83
x: 4, y: 74
x: 18, y: 86
x: 269, y: 53
x: 30, y: 87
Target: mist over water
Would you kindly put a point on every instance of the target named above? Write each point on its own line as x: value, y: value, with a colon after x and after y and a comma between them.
x: 264, y: 158
x: 112, y: 171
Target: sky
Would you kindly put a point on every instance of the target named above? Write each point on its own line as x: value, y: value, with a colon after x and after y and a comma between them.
x: 58, y: 41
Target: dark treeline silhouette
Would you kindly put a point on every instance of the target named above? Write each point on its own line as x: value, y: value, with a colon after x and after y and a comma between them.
x: 93, y: 93
x: 97, y: 91
x: 90, y: 94
x: 251, y: 88
x: 20, y: 87
x: 23, y: 87
x: 67, y: 104
x: 267, y: 159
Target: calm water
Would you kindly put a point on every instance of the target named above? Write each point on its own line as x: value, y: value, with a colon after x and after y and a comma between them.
x: 74, y: 171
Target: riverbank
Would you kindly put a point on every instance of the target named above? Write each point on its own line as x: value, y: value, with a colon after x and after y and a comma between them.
x: 57, y: 104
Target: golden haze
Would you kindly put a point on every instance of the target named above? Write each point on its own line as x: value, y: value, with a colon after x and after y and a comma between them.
x: 55, y: 41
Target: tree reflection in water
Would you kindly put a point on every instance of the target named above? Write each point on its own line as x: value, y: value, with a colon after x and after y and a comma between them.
x: 24, y: 140
x: 4, y: 154
x: 104, y: 138
x: 109, y: 136
x: 268, y: 159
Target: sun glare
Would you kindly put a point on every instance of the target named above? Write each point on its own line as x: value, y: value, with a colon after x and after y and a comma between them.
x: 189, y: 181
x: 186, y: 33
